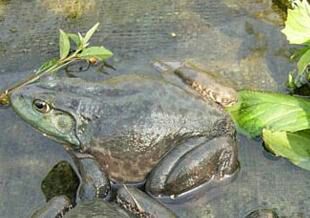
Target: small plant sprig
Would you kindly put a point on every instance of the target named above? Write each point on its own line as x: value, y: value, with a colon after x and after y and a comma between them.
x: 67, y: 41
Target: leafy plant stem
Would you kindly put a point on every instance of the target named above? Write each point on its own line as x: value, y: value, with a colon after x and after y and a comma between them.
x: 37, y: 75
x: 82, y: 52
x: 60, y: 64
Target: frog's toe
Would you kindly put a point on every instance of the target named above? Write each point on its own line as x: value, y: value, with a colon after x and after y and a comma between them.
x: 90, y: 191
x: 103, y: 191
x: 194, y: 165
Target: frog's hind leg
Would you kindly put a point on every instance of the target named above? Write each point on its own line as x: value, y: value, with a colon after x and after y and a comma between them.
x: 93, y: 181
x: 196, y: 162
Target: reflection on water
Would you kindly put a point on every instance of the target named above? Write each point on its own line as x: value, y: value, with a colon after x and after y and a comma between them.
x: 25, y: 159
x: 238, y: 39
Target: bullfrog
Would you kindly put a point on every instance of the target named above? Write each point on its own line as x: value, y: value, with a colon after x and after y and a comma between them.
x: 168, y: 133
x: 130, y: 203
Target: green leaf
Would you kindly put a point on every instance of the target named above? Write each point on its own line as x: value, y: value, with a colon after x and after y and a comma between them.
x: 90, y: 33
x: 291, y: 81
x: 64, y: 44
x: 303, y: 62
x: 47, y: 65
x: 75, y: 38
x: 307, y: 43
x: 257, y: 110
x: 100, y: 53
x: 294, y: 146
x: 299, y: 53
x: 81, y: 40
x: 297, y: 25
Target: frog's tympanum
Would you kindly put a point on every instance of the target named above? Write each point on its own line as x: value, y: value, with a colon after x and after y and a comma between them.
x: 170, y: 131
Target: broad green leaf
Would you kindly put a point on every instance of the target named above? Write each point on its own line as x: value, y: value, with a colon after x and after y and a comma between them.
x: 90, y: 33
x: 257, y: 110
x: 294, y: 146
x: 47, y: 65
x: 297, y: 25
x: 303, y: 62
x: 64, y: 44
x: 75, y: 38
x: 100, y: 53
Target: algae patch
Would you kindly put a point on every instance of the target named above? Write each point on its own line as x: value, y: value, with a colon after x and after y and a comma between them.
x: 68, y: 8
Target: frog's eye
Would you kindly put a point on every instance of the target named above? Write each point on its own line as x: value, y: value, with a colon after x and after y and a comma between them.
x: 41, y: 106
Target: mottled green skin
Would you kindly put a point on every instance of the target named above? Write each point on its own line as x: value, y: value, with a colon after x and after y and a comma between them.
x: 127, y: 123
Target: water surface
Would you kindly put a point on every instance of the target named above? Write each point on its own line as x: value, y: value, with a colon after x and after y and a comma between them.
x: 238, y: 39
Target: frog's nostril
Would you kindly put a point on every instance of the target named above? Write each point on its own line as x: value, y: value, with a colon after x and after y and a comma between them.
x: 22, y: 97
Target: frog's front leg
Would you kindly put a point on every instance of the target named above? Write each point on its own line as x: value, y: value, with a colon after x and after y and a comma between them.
x: 140, y: 204
x: 55, y: 207
x: 195, y: 162
x: 93, y: 181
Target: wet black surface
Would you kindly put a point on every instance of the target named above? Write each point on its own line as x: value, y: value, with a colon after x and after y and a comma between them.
x: 239, y: 39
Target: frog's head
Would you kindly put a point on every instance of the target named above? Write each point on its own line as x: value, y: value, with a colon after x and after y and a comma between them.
x: 48, y: 111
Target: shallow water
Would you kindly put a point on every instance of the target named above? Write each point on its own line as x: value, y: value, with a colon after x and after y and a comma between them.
x: 238, y: 39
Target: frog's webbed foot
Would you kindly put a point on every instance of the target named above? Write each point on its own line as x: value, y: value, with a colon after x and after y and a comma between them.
x: 196, y: 162
x: 263, y: 213
x: 167, y: 70
x: 208, y: 85
x: 56, y: 207
x: 166, y: 66
x: 94, y: 182
x: 140, y: 204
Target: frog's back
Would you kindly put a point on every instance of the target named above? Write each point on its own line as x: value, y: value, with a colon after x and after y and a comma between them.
x: 137, y: 119
x: 129, y: 122
x: 147, y: 107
